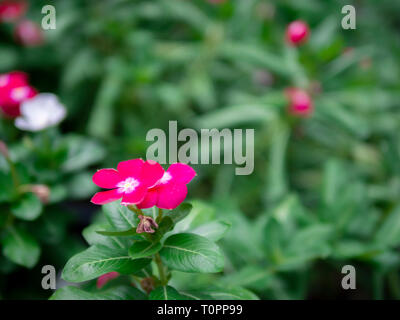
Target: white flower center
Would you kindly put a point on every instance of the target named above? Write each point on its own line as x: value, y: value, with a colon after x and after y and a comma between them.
x: 128, y: 185
x: 165, y: 178
x: 19, y: 94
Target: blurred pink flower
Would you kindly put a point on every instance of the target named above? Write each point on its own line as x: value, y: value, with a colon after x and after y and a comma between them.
x: 297, y: 32
x: 130, y: 181
x: 171, y: 190
x: 300, y: 103
x: 102, y: 280
x: 14, y: 89
x: 29, y: 34
x: 11, y: 11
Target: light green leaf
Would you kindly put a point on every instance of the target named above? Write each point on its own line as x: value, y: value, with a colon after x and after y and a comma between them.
x: 81, y: 152
x: 166, y: 293
x: 141, y: 249
x: 235, y: 293
x: 213, y: 230
x: 129, y: 232
x: 21, y: 248
x: 192, y: 253
x: 28, y: 207
x: 114, y: 293
x: 98, y: 260
x: 120, y: 217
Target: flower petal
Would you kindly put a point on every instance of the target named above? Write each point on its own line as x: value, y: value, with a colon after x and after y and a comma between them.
x: 181, y: 173
x: 130, y: 168
x: 149, y: 200
x: 171, y: 195
x: 152, y: 172
x: 102, y: 280
x: 106, y: 178
x: 106, y: 196
x: 135, y: 196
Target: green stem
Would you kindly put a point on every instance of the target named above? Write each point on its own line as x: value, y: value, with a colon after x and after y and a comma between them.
x: 394, y: 284
x: 160, y: 214
x: 14, y: 174
x: 161, y: 271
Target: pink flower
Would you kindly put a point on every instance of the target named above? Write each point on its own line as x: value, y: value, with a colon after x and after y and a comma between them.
x: 300, y: 103
x: 102, y: 280
x: 29, y: 34
x: 297, y: 32
x: 130, y: 181
x: 11, y: 11
x: 171, y: 190
x: 14, y: 89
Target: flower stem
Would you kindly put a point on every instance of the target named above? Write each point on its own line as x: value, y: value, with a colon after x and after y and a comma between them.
x: 161, y: 270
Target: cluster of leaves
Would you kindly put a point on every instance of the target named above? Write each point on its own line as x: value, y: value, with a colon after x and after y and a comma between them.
x: 184, y: 242
x: 36, y: 177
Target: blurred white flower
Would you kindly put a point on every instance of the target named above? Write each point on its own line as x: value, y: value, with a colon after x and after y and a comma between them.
x: 42, y: 111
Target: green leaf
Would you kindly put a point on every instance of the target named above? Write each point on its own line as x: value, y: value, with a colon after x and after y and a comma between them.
x: 120, y: 217
x: 164, y: 226
x: 81, y: 152
x: 130, y: 232
x: 21, y: 248
x: 166, y: 293
x: 92, y: 237
x: 192, y: 253
x: 141, y: 249
x: 180, y: 213
x: 114, y: 293
x: 28, y: 207
x: 388, y: 233
x: 235, y: 293
x: 6, y: 186
x: 98, y: 260
x: 213, y: 230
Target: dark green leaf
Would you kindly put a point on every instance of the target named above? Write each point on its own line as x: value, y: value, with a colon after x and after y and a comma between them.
x: 166, y: 293
x: 142, y: 249
x: 192, y: 253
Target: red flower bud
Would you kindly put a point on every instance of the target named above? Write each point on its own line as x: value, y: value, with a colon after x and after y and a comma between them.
x: 300, y: 103
x: 29, y: 34
x: 297, y: 32
x: 11, y: 11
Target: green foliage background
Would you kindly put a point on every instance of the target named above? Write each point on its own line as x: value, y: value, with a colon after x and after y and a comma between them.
x: 325, y: 190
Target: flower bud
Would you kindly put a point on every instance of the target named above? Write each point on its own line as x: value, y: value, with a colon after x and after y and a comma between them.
x: 300, y: 103
x: 29, y: 34
x: 4, y: 150
x: 297, y: 32
x: 146, y: 224
x: 40, y: 190
x: 147, y: 284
